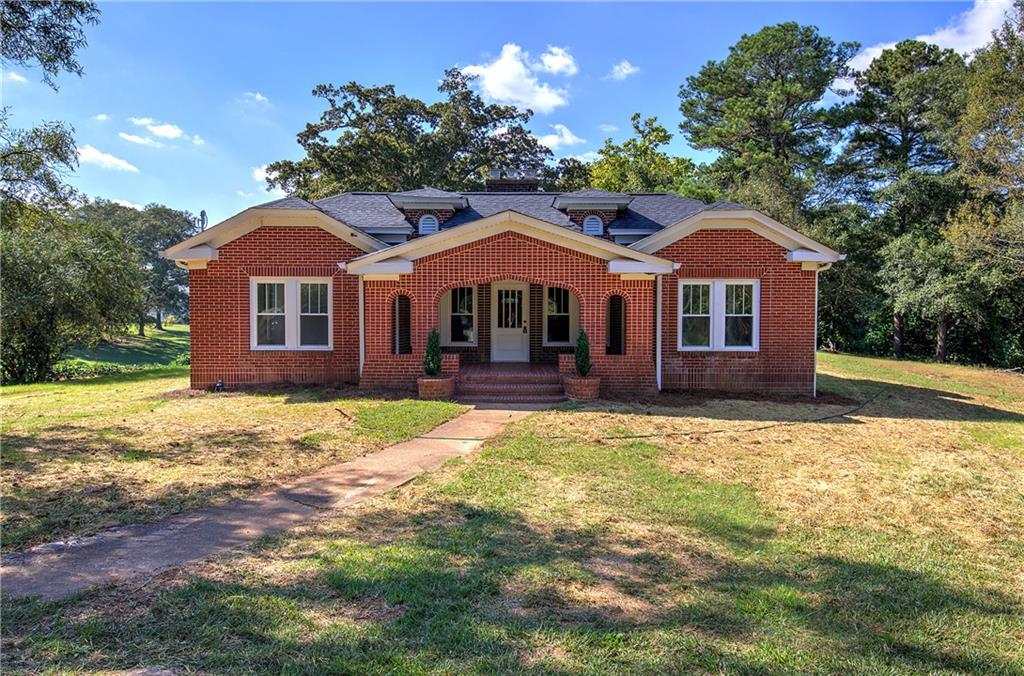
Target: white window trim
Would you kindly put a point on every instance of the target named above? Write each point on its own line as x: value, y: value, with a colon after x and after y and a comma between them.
x: 435, y: 227
x: 445, y: 320
x: 574, y: 319
x: 291, y: 314
x: 718, y: 316
x: 600, y: 227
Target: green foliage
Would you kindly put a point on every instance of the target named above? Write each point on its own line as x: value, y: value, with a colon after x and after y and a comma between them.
x: 46, y: 33
x: 569, y: 175
x: 32, y: 167
x: 582, y: 354
x: 62, y: 285
x: 432, y: 355
x: 76, y: 369
x: 371, y: 138
x: 640, y: 165
x: 151, y: 230
x: 760, y: 105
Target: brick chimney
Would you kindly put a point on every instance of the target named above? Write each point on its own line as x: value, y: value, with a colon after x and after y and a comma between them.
x: 500, y: 181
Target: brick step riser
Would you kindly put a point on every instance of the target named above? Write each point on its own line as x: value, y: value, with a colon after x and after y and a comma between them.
x: 523, y: 388
x: 511, y: 399
x: 511, y: 379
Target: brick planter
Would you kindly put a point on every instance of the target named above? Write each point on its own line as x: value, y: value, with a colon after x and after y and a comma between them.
x: 581, y: 389
x: 442, y: 387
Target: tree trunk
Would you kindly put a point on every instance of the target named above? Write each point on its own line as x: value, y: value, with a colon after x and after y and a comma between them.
x: 159, y: 320
x: 942, y: 339
x: 897, y: 335
x: 142, y: 325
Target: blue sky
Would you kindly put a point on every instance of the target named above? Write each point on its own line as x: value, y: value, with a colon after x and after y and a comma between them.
x: 183, y: 103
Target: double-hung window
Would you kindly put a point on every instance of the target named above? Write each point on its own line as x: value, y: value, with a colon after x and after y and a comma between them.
x: 720, y: 314
x: 458, y: 316
x: 560, y: 316
x: 290, y: 313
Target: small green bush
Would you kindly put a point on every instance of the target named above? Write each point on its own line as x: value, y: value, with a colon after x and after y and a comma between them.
x: 583, y: 364
x: 183, y: 359
x: 432, y: 357
x: 73, y: 369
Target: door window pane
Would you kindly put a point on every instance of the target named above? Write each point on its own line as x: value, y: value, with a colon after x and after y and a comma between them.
x: 510, y: 309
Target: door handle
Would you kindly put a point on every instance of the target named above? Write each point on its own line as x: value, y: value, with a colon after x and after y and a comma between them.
x: 524, y: 327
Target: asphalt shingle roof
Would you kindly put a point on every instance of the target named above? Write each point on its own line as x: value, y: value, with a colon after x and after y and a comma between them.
x: 376, y: 213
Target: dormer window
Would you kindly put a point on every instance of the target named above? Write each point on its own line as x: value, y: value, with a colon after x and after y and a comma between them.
x: 428, y: 224
x: 593, y: 225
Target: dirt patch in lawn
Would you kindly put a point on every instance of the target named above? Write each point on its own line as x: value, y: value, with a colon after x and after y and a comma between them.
x: 83, y: 456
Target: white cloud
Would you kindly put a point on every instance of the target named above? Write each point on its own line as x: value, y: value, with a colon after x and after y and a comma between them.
x: 608, y: 128
x: 242, y: 193
x: 255, y: 98
x: 621, y: 71
x: 589, y: 156
x: 557, y: 61
x: 198, y: 140
x: 130, y: 205
x: 563, y: 136
x: 163, y: 130
x: 964, y: 33
x: 260, y: 175
x: 508, y: 79
x: 140, y: 140
x: 11, y: 76
x: 102, y: 117
x: 89, y: 155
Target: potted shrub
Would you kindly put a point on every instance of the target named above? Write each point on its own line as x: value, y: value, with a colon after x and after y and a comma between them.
x: 582, y: 386
x: 433, y: 385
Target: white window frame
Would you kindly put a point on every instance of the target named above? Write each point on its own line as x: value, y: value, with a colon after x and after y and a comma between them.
x: 292, y: 305
x: 718, y: 316
x: 574, y: 319
x: 445, y: 319
x: 428, y: 217
x: 592, y: 231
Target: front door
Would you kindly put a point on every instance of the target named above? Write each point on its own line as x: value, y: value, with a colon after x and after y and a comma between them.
x: 510, y: 331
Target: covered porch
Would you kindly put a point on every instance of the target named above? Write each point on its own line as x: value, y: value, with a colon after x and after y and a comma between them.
x: 513, y: 293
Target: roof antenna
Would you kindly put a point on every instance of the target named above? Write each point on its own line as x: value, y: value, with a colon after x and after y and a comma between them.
x: 202, y: 221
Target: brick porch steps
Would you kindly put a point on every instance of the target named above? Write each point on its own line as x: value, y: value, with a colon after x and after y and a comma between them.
x: 509, y: 383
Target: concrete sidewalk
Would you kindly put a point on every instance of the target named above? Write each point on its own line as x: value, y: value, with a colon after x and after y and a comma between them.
x: 60, y: 569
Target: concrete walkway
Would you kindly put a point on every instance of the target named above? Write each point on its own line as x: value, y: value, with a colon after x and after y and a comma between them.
x: 60, y: 569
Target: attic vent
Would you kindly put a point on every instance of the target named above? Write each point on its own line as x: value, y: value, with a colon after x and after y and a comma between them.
x: 593, y: 225
x: 428, y: 224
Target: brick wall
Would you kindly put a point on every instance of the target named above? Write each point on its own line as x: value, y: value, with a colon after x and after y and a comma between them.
x: 219, y: 309
x: 785, y: 361
x: 512, y: 256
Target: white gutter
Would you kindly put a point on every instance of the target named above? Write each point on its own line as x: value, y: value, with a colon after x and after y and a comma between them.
x: 657, y: 333
x: 814, y: 388
x: 362, y: 325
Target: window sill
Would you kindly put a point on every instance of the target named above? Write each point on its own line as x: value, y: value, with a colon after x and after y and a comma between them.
x: 718, y: 349
x: 284, y: 348
x: 450, y: 344
x: 565, y: 344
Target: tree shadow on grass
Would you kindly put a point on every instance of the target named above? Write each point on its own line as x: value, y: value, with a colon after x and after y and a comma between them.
x: 854, y: 397
x: 457, y: 587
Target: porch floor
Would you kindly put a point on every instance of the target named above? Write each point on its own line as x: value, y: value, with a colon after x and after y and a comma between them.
x: 509, y: 383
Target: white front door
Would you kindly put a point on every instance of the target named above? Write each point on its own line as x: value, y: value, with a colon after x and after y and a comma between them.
x: 510, y: 314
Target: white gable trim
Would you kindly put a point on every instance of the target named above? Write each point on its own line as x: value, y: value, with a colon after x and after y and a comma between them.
x: 245, y: 222
x: 732, y: 220
x: 506, y: 221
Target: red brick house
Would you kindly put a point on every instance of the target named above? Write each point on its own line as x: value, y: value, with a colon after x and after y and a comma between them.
x: 673, y: 293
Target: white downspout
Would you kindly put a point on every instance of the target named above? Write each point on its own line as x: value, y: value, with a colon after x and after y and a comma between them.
x: 657, y: 332
x: 814, y: 390
x: 362, y: 327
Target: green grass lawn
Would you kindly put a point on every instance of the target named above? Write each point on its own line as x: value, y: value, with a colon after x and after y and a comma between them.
x: 737, y: 535
x: 157, y: 347
x: 81, y: 455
